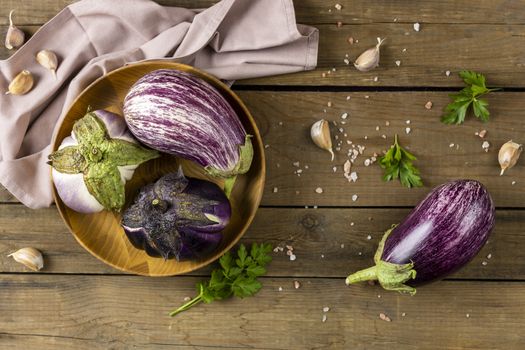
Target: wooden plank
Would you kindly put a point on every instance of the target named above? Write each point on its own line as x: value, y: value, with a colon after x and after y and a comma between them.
x: 322, y: 12
x: 120, y: 312
x: 429, y: 140
x: 325, y: 242
x: 437, y: 48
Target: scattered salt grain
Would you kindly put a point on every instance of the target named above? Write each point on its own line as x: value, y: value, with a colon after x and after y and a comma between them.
x: 467, y: 315
x: 322, y: 256
x: 334, y: 169
x: 403, y: 314
x: 326, y: 309
x: 350, y: 40
x: 398, y: 63
x: 354, y: 197
x: 387, y: 123
x: 489, y: 256
x: 342, y: 245
x: 324, y: 318
x: 404, y: 50
x: 485, y: 145
x: 367, y: 162
x: 348, y: 97
x: 292, y: 257
x: 484, y: 263
x: 347, y: 166
x: 377, y: 128
x: 383, y: 136
x: 384, y: 317
x: 359, y: 253
x: 447, y: 73
x: 296, y: 284
x: 376, y: 78
x: 417, y: 27
x: 275, y: 190
x: 408, y: 121
x: 428, y: 105
x: 369, y: 237
x: 187, y: 298
x: 266, y: 146
x: 306, y: 166
x: 451, y: 145
x: 346, y: 61
x: 344, y: 115
x: 339, y: 24
x: 329, y: 103
x: 482, y: 133
x: 367, y: 96
x: 280, y: 289
x: 319, y: 190
x: 323, y: 75
x: 352, y: 223
x: 296, y: 164
x: 407, y: 130
x: 513, y: 183
x: 338, y: 7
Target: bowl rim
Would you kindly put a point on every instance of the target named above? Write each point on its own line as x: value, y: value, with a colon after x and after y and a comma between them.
x: 173, y: 65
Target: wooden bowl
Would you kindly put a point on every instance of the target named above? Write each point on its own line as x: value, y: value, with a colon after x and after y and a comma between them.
x: 101, y: 233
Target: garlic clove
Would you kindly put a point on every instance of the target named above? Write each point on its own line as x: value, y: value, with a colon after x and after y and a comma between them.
x: 29, y: 257
x: 48, y: 59
x: 369, y: 59
x: 320, y: 133
x: 508, y: 155
x: 14, y: 37
x: 21, y: 84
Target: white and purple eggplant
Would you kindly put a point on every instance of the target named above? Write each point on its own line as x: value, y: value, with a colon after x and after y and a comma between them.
x: 181, y: 114
x: 442, y: 234
x: 91, y: 167
x: 177, y: 216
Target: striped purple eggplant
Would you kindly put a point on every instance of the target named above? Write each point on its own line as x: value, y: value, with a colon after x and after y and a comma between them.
x: 443, y: 233
x: 178, y: 113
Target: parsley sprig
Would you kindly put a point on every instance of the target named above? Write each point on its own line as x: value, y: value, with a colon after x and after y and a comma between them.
x: 397, y: 163
x: 236, y: 276
x: 470, y: 95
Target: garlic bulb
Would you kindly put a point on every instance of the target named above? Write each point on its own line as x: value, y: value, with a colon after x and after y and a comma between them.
x: 21, y: 84
x: 29, y: 257
x: 14, y: 37
x: 48, y: 60
x: 320, y: 133
x: 508, y: 155
x: 370, y: 58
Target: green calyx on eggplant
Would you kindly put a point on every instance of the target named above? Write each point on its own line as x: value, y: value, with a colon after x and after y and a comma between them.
x: 177, y: 216
x: 442, y: 234
x: 91, y: 166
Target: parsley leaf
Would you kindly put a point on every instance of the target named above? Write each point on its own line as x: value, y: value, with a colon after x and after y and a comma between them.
x: 236, y: 277
x: 397, y: 163
x: 456, y: 111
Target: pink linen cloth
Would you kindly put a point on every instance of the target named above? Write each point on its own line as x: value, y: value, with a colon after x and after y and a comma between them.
x: 233, y: 39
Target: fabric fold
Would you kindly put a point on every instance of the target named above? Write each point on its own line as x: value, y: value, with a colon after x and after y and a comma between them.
x: 233, y: 39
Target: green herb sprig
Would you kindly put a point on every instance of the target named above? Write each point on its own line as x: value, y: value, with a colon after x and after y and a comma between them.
x: 397, y: 163
x: 236, y: 276
x: 456, y: 111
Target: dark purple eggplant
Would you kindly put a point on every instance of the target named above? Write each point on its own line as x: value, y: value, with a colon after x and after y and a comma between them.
x: 443, y: 233
x: 177, y: 216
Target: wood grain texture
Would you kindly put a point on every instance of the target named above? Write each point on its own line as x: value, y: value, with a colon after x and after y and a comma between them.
x: 325, y: 242
x: 429, y: 140
x: 96, y: 312
x: 440, y: 46
x: 323, y: 12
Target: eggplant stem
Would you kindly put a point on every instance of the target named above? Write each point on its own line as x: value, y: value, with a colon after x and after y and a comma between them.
x: 228, y: 185
x: 369, y: 274
x: 390, y: 276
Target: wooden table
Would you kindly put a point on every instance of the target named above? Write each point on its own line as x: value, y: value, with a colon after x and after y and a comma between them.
x: 77, y: 302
